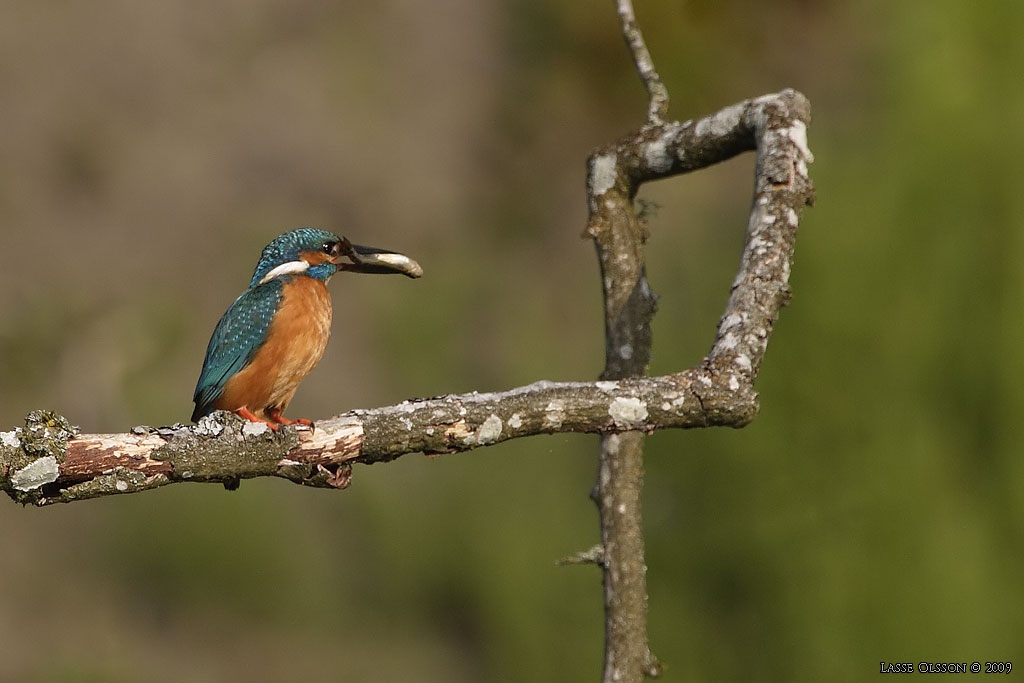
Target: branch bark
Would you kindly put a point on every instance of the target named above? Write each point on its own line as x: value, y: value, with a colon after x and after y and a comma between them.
x: 629, y: 307
x: 47, y: 461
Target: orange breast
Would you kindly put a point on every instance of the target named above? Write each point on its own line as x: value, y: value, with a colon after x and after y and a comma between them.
x: 295, y: 343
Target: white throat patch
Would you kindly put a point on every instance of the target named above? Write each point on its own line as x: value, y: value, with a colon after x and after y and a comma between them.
x: 286, y: 269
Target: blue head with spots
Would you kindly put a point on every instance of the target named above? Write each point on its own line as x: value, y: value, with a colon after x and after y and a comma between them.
x: 306, y: 251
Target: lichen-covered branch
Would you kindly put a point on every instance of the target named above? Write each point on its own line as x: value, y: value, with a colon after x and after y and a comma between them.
x: 629, y: 306
x: 773, y: 125
x: 46, y: 461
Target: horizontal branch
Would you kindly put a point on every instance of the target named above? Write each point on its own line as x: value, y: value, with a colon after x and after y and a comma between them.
x: 46, y: 462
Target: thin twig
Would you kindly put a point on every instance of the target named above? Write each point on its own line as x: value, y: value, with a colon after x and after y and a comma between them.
x: 592, y: 555
x: 657, y: 108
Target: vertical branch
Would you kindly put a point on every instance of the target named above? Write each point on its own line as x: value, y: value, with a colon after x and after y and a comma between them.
x: 627, y: 656
x: 629, y: 307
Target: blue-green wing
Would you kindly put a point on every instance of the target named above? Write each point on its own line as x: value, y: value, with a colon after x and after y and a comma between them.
x: 242, y: 330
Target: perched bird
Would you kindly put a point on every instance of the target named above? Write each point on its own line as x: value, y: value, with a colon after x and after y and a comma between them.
x: 275, y: 333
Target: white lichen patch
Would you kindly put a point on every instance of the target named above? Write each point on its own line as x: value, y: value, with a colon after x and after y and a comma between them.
x: 10, y: 439
x: 628, y: 410
x: 755, y: 342
x: 626, y: 351
x: 673, y: 401
x: 656, y: 152
x: 554, y: 414
x: 254, y: 428
x: 721, y: 123
x: 760, y: 246
x: 121, y: 485
x: 607, y: 386
x: 657, y: 157
x: 798, y: 134
x: 734, y: 383
x: 39, y: 472
x: 731, y: 320
x: 602, y: 174
x: 729, y: 341
x: 743, y: 360
x: 489, y: 431
x: 406, y: 422
x: 515, y: 422
x: 207, y: 426
x: 791, y: 217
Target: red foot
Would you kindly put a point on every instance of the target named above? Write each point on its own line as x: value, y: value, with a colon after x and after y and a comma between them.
x: 248, y: 415
x: 277, y: 417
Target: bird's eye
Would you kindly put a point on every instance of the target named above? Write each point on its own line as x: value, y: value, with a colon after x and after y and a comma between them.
x: 328, y: 247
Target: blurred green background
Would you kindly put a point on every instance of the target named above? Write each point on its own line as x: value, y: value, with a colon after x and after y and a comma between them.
x: 874, y: 511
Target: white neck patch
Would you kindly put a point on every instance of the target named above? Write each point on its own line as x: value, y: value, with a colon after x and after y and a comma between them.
x: 286, y: 269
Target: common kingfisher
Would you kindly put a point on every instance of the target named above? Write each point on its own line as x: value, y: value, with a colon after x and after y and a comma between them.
x: 275, y: 333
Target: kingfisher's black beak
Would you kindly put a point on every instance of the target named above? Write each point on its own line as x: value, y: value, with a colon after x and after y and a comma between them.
x: 373, y: 260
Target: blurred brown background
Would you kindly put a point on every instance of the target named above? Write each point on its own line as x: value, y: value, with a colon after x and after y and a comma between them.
x: 873, y: 511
